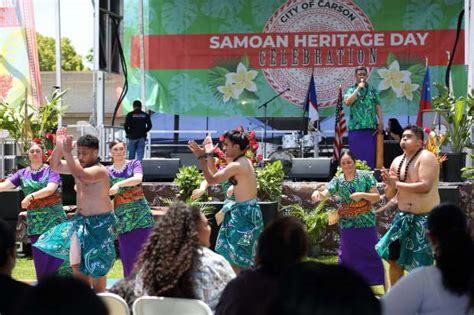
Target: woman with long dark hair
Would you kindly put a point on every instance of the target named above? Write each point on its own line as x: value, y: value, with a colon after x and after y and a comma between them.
x: 447, y: 287
x: 394, y: 130
x: 134, y: 218
x: 175, y: 261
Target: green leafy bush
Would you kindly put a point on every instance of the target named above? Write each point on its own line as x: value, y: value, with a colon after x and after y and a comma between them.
x: 468, y: 171
x: 187, y: 179
x: 270, y: 181
x: 316, y: 220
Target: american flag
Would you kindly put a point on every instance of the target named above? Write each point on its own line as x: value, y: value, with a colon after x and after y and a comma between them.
x: 340, y: 128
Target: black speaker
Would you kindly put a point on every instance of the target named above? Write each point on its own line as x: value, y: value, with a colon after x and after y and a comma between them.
x: 157, y: 169
x: 311, y: 168
x: 187, y: 159
x: 10, y: 204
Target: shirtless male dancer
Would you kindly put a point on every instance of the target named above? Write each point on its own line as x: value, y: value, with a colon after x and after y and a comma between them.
x: 242, y: 222
x: 413, y: 183
x: 86, y: 241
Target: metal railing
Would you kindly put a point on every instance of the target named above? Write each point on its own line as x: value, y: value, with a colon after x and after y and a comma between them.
x: 149, y: 144
x: 105, y: 133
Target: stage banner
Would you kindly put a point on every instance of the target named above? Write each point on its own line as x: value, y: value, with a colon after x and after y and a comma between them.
x: 19, y: 66
x: 224, y: 58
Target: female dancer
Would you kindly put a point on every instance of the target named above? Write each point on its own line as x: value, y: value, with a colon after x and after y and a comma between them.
x: 43, y: 203
x: 135, y: 220
x: 357, y: 191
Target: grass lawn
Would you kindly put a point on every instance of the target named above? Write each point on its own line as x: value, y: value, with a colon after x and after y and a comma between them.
x: 25, y: 270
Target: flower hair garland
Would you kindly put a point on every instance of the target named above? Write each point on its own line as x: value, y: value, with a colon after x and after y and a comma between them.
x: 250, y: 151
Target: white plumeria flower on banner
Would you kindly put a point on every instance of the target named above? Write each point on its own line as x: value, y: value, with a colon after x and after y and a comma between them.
x: 243, y: 78
x: 407, y: 90
x: 229, y: 90
x: 393, y: 77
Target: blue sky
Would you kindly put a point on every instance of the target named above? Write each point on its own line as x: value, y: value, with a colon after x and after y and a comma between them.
x: 77, y: 22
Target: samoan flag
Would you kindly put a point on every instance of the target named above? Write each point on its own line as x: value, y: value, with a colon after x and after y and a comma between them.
x: 425, y: 97
x: 311, y: 105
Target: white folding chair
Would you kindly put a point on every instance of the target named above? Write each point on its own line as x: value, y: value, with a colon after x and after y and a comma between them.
x: 115, y: 303
x: 148, y: 305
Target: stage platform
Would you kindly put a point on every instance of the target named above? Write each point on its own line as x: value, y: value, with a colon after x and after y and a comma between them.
x: 461, y: 194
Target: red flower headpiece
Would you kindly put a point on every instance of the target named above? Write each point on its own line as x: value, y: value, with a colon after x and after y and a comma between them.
x: 250, y: 152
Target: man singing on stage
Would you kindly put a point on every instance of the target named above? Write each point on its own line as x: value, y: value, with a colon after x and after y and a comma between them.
x: 364, y: 104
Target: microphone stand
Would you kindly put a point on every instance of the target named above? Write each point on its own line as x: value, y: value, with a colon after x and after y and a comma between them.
x: 264, y: 105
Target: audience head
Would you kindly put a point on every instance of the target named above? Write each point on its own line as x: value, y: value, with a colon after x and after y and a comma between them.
x: 137, y: 104
x: 283, y: 243
x: 453, y: 248
x: 318, y: 289
x: 7, y: 248
x: 62, y: 296
x: 171, y: 252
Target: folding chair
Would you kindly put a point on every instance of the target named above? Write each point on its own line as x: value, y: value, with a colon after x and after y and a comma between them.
x: 115, y: 303
x: 148, y: 305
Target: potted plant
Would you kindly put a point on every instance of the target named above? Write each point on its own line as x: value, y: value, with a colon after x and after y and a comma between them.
x: 26, y: 123
x: 468, y: 171
x: 270, y: 188
x: 459, y: 116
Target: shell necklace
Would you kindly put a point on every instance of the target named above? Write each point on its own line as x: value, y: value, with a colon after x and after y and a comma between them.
x: 37, y: 170
x: 120, y: 170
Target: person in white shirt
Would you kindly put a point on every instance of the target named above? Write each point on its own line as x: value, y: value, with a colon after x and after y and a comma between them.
x: 448, y: 287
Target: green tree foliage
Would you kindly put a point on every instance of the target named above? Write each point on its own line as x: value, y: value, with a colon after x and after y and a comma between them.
x: 71, y: 60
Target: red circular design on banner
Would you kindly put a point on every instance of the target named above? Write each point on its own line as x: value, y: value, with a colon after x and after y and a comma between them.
x: 299, y: 16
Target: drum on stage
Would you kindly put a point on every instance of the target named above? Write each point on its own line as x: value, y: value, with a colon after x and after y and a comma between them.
x: 290, y: 142
x: 308, y: 141
x: 286, y: 159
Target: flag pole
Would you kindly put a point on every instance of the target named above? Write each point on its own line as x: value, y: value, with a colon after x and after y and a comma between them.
x: 58, y: 59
